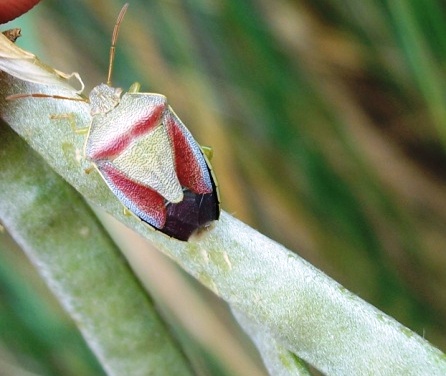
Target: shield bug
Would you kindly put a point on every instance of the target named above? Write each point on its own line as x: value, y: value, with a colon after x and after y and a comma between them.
x: 149, y: 159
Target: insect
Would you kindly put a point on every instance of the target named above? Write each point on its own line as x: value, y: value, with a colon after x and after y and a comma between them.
x: 149, y: 159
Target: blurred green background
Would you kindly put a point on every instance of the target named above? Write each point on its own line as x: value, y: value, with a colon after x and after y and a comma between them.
x: 328, y: 125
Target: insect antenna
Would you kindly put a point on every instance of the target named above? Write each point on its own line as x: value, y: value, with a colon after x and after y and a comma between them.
x: 38, y: 95
x: 113, y: 41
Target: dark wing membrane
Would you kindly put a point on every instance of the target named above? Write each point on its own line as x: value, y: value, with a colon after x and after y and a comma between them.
x: 194, y: 212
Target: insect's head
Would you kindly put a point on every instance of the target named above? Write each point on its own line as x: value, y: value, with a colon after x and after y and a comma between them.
x: 104, y: 98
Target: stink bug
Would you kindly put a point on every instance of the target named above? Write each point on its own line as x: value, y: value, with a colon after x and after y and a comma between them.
x: 150, y: 161
x: 148, y: 158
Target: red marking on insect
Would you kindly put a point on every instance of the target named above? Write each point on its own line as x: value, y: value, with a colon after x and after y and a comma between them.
x: 189, y: 170
x: 137, y: 196
x: 112, y: 134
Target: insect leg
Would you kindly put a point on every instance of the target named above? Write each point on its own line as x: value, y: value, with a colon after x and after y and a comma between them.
x: 207, y: 151
x: 71, y: 118
x: 135, y: 87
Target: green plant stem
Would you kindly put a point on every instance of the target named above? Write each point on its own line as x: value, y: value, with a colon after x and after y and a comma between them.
x: 278, y: 360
